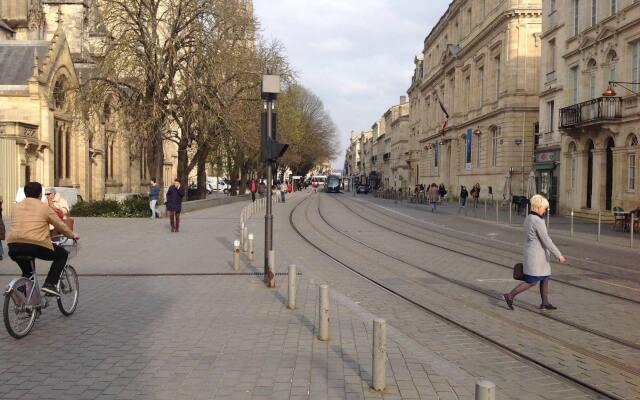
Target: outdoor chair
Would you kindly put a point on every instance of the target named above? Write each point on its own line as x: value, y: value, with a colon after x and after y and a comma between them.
x: 619, y: 218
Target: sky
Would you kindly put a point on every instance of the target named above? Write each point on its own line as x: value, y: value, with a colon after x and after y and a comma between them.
x: 356, y: 55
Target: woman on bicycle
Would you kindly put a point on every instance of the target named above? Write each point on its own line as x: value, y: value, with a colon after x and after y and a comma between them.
x: 29, y: 236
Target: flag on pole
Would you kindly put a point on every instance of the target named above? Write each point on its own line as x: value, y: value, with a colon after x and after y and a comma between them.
x: 446, y: 115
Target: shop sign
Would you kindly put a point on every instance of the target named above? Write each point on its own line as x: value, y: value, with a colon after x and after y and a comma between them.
x: 547, y: 156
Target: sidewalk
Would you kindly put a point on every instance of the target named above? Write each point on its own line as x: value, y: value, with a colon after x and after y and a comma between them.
x: 195, y: 329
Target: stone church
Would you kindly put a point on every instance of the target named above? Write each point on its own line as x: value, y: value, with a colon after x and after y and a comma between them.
x: 46, y: 49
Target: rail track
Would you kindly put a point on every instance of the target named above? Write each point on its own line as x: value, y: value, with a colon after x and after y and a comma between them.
x: 573, y: 380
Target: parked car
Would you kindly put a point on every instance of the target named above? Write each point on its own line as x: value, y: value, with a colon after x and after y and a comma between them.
x: 71, y: 195
x: 363, y: 189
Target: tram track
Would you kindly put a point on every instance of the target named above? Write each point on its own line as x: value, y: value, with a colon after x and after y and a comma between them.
x: 510, y: 254
x: 600, y: 393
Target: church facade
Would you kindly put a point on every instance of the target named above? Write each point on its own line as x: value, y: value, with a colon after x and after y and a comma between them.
x: 46, y: 52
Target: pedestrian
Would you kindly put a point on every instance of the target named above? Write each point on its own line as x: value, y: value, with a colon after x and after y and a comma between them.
x: 2, y: 230
x: 174, y: 197
x: 475, y: 194
x: 289, y: 188
x: 253, y: 188
x: 442, y: 191
x: 283, y: 191
x: 154, y: 196
x: 262, y: 188
x: 463, y: 197
x: 537, y: 246
x: 434, y: 195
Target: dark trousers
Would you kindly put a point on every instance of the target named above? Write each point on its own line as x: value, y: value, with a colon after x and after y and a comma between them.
x: 253, y: 196
x: 58, y: 255
x: 174, y: 218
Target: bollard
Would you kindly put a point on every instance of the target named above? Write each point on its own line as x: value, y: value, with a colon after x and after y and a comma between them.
x: 323, y: 332
x: 599, y: 223
x: 271, y: 278
x: 245, y: 241
x: 485, y: 390
x: 291, y: 304
x: 242, y: 235
x: 251, y: 254
x: 497, y: 213
x: 572, y: 222
x: 510, y: 208
x: 236, y: 255
x: 379, y: 354
x: 485, y: 208
x: 631, y: 229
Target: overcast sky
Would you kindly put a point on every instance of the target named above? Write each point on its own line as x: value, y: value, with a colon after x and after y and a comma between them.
x: 356, y: 55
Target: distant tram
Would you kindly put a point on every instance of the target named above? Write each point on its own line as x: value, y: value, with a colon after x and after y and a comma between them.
x: 333, y: 184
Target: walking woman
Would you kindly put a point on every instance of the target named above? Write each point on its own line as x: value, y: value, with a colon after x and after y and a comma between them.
x: 174, y: 197
x: 537, y: 246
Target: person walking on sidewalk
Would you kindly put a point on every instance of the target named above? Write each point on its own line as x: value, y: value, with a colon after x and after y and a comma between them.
x: 174, y: 197
x: 475, y: 194
x: 537, y: 246
x: 434, y: 196
x: 442, y: 191
x: 154, y: 196
x: 463, y: 197
x: 2, y: 230
x: 283, y: 191
x: 253, y: 188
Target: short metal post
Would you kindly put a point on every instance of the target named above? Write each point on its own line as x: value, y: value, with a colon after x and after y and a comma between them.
x: 485, y: 208
x: 251, y: 254
x: 245, y: 241
x: 526, y: 208
x: 510, y: 207
x: 379, y: 354
x: 323, y: 332
x: 485, y: 390
x: 572, y: 222
x: 271, y: 282
x: 291, y: 304
x: 497, y: 213
x: 236, y: 255
x: 599, y: 223
x: 631, y: 229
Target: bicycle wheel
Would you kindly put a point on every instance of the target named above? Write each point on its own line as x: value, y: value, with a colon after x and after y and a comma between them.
x: 69, y: 290
x: 17, y: 318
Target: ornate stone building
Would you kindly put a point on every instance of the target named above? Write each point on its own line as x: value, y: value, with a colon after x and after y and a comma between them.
x: 481, y: 62
x: 591, y: 132
x: 45, y: 51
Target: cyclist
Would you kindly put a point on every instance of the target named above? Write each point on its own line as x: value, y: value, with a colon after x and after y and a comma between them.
x: 29, y: 236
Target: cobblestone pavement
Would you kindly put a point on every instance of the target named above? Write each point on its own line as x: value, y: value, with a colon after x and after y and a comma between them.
x: 193, y: 329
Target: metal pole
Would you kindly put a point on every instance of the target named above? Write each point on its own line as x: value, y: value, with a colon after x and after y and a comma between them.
x: 497, y: 213
x: 323, y: 332
x: 510, y: 207
x: 268, y: 218
x: 485, y: 390
x: 631, y: 230
x: 236, y: 255
x: 292, y: 287
x: 252, y: 256
x: 271, y: 281
x: 572, y: 222
x: 485, y: 208
x: 379, y: 354
x: 548, y: 218
x: 599, y: 223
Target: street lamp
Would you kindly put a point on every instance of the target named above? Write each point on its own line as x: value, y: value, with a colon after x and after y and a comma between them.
x: 611, y: 93
x: 271, y: 150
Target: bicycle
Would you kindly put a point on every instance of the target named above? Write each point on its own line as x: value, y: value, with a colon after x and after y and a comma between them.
x: 23, y: 302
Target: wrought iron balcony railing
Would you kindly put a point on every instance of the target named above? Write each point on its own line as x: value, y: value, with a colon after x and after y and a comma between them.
x: 596, y: 110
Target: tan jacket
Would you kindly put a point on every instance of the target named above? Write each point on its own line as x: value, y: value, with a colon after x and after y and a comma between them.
x: 30, y: 223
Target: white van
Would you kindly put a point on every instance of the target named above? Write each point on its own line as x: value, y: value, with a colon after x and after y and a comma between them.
x: 218, y: 184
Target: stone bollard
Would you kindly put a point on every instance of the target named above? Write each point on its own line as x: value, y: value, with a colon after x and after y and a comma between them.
x: 379, y: 354
x: 291, y: 304
x: 245, y: 241
x: 242, y: 235
x: 485, y: 390
x: 252, y: 256
x: 323, y: 331
x: 271, y: 281
x: 236, y: 255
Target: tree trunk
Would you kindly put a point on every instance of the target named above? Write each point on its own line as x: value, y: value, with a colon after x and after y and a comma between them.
x: 155, y: 161
x: 202, y: 155
x: 183, y: 166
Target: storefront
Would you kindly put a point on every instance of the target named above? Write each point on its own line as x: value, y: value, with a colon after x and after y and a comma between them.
x: 547, y: 176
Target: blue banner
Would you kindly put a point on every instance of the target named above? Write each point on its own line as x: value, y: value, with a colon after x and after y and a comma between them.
x: 468, y: 145
x: 436, y: 150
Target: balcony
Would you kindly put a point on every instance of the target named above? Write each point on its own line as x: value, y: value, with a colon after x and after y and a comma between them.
x: 593, y: 111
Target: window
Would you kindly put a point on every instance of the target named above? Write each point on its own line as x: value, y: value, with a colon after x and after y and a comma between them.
x: 497, y: 62
x: 551, y: 114
x: 574, y: 85
x: 594, y: 12
x: 494, y: 146
x: 479, y: 152
x: 481, y: 84
x: 613, y: 62
x: 467, y: 92
x: 574, y: 160
x: 635, y: 67
x: 614, y: 7
x: 632, y: 172
x: 576, y: 17
x: 470, y: 19
x: 552, y: 6
x: 551, y: 67
x: 592, y: 79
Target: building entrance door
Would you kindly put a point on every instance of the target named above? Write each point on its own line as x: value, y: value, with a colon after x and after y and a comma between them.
x: 608, y: 200
x: 589, y: 173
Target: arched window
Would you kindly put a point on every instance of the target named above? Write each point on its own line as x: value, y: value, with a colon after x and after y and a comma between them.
x: 592, y: 70
x: 574, y: 160
x: 632, y: 144
x: 612, y: 59
x: 59, y: 93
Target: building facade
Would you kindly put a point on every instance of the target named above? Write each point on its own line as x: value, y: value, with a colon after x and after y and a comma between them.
x: 46, y: 51
x: 480, y: 64
x: 591, y: 131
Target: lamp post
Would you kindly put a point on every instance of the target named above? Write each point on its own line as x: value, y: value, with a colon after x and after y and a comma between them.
x: 271, y: 151
x: 611, y: 93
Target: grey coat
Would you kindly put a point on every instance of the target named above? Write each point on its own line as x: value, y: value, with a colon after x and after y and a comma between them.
x: 537, y: 245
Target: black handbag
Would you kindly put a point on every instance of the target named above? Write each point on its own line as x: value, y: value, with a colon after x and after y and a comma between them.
x: 518, y: 272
